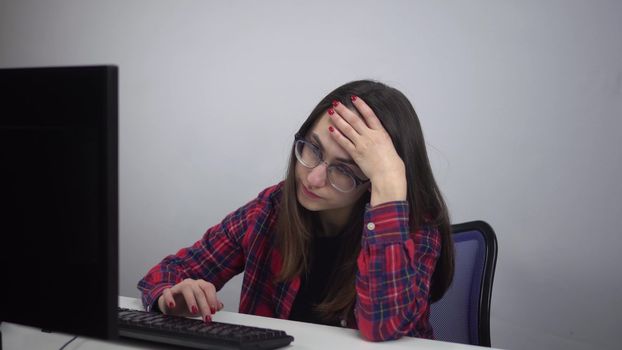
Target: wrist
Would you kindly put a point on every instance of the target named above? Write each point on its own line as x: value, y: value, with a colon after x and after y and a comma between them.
x: 388, y: 189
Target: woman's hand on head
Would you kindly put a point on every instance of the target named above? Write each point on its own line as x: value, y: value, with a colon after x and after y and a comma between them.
x: 190, y: 298
x: 370, y: 146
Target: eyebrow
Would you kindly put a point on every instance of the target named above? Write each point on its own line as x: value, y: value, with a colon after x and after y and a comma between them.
x: 343, y: 160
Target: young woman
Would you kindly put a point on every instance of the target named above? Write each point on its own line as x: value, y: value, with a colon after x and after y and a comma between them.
x: 356, y: 235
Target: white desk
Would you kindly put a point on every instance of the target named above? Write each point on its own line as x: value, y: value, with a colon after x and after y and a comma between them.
x: 306, y: 336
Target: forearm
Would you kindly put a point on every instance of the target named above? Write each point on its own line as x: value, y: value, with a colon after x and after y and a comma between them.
x: 394, y: 273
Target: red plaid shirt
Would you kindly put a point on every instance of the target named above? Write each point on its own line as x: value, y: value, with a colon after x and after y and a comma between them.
x: 395, y: 267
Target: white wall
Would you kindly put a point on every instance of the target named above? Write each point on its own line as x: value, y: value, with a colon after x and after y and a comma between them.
x: 520, y: 101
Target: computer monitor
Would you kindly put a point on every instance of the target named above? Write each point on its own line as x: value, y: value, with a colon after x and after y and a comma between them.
x: 58, y: 199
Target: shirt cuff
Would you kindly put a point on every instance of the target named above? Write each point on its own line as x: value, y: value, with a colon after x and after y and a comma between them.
x: 151, y: 300
x: 386, y: 223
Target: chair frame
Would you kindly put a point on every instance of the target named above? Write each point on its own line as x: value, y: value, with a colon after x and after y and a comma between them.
x: 490, y: 262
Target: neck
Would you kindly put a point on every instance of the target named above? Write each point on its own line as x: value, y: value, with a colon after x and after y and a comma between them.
x: 333, y: 221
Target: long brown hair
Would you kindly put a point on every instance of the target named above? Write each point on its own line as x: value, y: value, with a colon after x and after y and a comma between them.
x: 296, y: 224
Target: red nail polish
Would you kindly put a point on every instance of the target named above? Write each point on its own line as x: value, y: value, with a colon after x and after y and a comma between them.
x: 331, y: 111
x: 194, y: 309
x: 335, y: 103
x: 331, y: 129
x: 208, y: 318
x: 353, y: 98
x: 171, y: 305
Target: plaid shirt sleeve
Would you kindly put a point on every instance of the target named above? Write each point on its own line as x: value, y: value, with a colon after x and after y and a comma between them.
x: 216, y: 258
x: 395, y: 268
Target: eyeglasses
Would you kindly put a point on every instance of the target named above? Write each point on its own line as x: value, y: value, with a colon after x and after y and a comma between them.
x: 339, y: 176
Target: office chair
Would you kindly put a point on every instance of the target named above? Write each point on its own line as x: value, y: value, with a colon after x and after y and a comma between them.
x: 462, y: 315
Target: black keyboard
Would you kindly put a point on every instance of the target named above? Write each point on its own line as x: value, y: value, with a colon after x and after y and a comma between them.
x: 197, y: 334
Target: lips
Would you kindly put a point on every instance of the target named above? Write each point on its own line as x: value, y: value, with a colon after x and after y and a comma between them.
x: 309, y: 193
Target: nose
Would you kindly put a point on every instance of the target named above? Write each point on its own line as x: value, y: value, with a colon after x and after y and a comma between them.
x: 317, y: 175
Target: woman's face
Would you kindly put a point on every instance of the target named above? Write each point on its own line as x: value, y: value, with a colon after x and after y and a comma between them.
x: 314, y: 190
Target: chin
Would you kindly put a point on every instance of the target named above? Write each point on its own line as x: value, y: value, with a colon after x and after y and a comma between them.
x: 311, y: 207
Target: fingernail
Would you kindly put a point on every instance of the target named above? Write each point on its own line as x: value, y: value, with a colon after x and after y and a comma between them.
x: 331, y: 111
x: 171, y: 305
x: 194, y: 309
x: 353, y: 98
x: 208, y: 318
x: 335, y: 103
x: 331, y: 129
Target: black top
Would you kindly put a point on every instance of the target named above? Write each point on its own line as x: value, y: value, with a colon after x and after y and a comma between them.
x: 314, y: 285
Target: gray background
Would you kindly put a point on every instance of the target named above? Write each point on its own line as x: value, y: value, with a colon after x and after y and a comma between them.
x: 520, y: 102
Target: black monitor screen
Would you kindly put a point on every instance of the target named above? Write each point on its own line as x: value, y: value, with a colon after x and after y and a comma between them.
x: 58, y: 198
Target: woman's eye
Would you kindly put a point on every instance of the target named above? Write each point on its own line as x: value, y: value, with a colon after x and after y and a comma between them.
x: 316, y: 149
x: 356, y: 172
x: 344, y: 169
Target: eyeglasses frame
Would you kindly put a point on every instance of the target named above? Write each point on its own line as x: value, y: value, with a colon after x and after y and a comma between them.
x: 357, y: 181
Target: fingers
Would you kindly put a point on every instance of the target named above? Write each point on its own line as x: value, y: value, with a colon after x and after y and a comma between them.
x: 201, y: 298
x: 354, y: 124
x: 344, y: 126
x: 191, y: 302
x: 342, y: 140
x: 168, y: 301
x: 351, y: 117
x: 368, y: 114
x: 197, y: 297
x: 209, y: 292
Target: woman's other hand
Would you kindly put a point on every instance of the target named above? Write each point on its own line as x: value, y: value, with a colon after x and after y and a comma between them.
x: 190, y: 298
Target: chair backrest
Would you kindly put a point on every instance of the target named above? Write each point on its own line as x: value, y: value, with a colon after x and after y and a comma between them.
x: 462, y: 315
